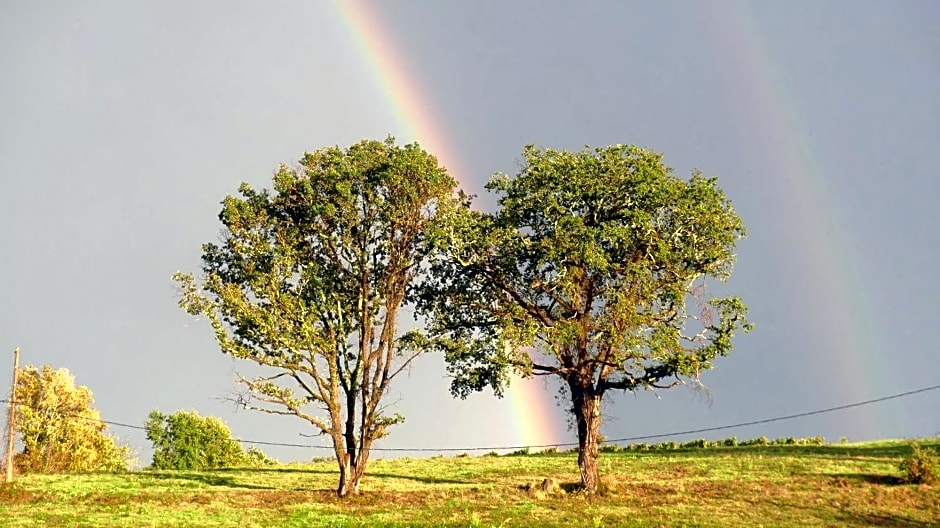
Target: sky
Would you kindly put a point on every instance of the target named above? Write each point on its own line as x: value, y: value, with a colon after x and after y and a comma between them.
x: 124, y: 124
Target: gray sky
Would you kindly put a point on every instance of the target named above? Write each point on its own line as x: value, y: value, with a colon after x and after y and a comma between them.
x: 123, y: 125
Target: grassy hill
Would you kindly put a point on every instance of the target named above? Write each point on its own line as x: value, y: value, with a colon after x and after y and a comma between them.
x: 787, y: 485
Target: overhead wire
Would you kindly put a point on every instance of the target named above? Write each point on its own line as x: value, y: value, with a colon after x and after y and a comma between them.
x: 555, y: 445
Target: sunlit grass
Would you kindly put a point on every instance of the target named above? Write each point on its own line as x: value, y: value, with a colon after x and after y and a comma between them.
x: 832, y: 485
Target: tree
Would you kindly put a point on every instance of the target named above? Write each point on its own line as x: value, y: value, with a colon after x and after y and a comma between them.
x: 59, y: 429
x: 185, y: 440
x: 593, y: 269
x: 309, y: 281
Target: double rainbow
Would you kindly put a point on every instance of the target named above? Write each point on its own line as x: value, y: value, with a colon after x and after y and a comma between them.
x: 851, y: 348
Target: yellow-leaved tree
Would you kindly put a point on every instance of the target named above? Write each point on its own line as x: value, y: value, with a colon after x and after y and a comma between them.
x: 58, y: 429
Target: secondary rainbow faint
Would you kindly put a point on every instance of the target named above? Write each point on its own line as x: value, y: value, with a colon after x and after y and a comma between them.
x: 854, y: 369
x: 534, y: 415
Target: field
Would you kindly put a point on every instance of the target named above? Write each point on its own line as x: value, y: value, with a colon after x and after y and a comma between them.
x: 831, y: 485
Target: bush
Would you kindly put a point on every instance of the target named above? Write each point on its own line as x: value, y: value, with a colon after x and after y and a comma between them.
x: 730, y: 442
x: 59, y: 429
x: 185, y: 440
x: 254, y: 456
x: 921, y: 467
x: 697, y: 443
x: 759, y: 441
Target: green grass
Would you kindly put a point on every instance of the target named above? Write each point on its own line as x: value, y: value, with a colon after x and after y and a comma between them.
x: 793, y: 485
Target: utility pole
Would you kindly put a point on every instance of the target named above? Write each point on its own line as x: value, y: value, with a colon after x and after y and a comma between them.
x: 11, y: 416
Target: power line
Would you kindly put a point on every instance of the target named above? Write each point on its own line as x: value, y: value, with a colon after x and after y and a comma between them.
x: 780, y: 418
x: 562, y: 444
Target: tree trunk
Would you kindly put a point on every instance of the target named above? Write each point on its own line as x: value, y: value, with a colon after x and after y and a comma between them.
x: 345, y: 477
x: 350, y: 475
x: 587, y: 413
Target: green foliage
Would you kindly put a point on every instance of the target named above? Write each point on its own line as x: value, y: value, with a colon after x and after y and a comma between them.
x: 310, y: 277
x: 922, y: 467
x: 594, y: 269
x: 592, y: 257
x: 59, y: 429
x: 759, y: 441
x: 186, y: 440
x: 256, y: 457
x: 702, y: 443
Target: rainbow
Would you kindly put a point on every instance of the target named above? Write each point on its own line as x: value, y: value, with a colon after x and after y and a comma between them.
x: 534, y: 414
x: 849, y: 364
x: 851, y: 349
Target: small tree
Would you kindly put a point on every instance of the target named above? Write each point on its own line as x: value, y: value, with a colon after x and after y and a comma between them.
x: 59, y: 429
x: 593, y: 269
x: 185, y: 440
x: 309, y: 281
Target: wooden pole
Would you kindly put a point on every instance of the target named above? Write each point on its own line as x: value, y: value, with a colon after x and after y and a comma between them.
x: 11, y: 417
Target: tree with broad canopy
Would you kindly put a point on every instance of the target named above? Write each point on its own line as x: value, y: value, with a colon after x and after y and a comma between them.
x: 309, y: 281
x: 593, y: 269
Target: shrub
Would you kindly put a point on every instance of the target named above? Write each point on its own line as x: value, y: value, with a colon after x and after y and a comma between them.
x: 59, y: 429
x: 697, y: 443
x: 185, y: 440
x: 759, y: 441
x: 254, y: 456
x: 921, y: 467
x: 730, y: 442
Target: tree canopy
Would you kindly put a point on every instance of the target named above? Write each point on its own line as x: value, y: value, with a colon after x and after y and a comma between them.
x: 594, y: 268
x: 309, y: 281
